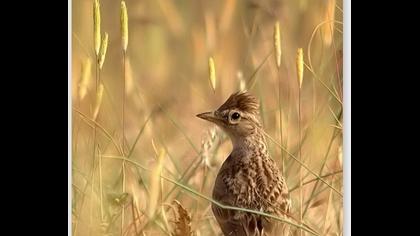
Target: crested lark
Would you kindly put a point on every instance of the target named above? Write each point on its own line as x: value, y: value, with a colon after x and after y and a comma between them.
x: 248, y: 178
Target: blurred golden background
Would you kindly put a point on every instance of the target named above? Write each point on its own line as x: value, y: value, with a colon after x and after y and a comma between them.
x: 167, y: 84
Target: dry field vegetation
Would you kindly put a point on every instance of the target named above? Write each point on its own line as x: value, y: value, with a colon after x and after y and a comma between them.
x: 143, y: 164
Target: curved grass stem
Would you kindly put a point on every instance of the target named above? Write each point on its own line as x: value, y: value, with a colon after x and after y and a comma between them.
x: 190, y: 190
x: 303, y: 165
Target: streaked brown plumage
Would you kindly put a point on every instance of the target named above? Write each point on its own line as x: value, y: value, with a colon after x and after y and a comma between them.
x: 248, y: 178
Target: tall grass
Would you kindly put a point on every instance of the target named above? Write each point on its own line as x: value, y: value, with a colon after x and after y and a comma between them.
x: 124, y: 45
x: 299, y: 72
x: 126, y: 184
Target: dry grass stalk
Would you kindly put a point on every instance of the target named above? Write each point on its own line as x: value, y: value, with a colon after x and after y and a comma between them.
x: 340, y: 155
x: 102, y: 51
x: 96, y: 26
x: 299, y: 70
x: 242, y: 85
x: 242, y: 82
x: 206, y: 146
x: 99, y: 96
x: 124, y: 26
x: 182, y: 221
x: 227, y: 15
x: 139, y: 200
x: 212, y: 74
x: 211, y: 30
x: 124, y: 44
x: 129, y: 80
x: 277, y: 44
x: 164, y: 217
x: 329, y: 17
x: 135, y: 189
x: 173, y: 17
x: 84, y: 80
x: 318, y: 203
x: 101, y: 192
x: 155, y: 184
x: 329, y: 218
x: 299, y: 66
x: 280, y: 136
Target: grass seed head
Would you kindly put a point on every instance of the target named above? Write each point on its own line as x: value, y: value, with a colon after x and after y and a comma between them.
x: 96, y: 26
x: 277, y: 45
x: 299, y: 66
x: 102, y: 51
x: 124, y: 26
x: 212, y: 74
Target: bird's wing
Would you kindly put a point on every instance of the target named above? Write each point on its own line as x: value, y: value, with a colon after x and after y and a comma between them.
x: 278, y: 205
x: 277, y: 195
x: 232, y: 222
x: 275, y: 198
x: 228, y: 223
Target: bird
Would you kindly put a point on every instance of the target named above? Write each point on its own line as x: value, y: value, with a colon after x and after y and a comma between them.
x: 249, y: 178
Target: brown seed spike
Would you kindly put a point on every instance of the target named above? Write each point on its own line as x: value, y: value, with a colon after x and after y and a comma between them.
x: 243, y: 101
x: 182, y: 221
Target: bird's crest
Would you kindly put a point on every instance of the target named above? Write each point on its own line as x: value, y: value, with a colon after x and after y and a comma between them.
x: 242, y: 101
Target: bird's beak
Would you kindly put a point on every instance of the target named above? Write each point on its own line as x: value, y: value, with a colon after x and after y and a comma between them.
x: 209, y: 116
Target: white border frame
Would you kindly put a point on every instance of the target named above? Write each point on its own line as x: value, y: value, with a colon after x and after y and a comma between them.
x: 347, y: 116
x: 69, y: 119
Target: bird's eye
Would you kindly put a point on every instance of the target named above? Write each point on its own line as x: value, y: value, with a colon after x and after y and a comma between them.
x: 235, y: 116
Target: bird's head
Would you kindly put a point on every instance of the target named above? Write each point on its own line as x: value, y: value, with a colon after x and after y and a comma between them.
x: 238, y: 116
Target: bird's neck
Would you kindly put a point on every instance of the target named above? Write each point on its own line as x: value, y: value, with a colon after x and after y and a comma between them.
x: 253, y: 144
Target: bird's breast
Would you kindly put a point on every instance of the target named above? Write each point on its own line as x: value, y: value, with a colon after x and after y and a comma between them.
x: 251, y: 181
